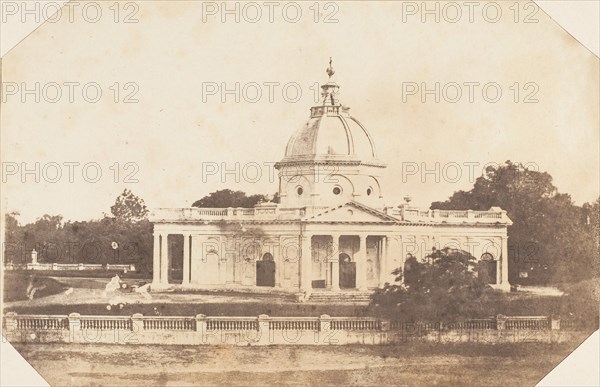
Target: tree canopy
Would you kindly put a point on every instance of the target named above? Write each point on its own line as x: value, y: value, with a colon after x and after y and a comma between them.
x: 227, y: 198
x: 91, y: 241
x: 442, y: 287
x: 551, y: 238
x: 129, y: 208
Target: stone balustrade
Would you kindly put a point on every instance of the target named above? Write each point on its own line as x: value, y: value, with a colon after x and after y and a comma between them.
x: 494, y: 215
x: 68, y: 266
x: 195, y: 214
x: 266, y: 330
x: 273, y: 211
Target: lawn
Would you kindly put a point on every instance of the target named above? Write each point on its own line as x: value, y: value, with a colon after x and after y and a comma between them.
x: 87, y: 298
x: 208, y: 308
x: 16, y: 286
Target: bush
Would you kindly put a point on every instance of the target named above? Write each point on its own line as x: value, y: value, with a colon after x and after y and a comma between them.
x: 444, y: 287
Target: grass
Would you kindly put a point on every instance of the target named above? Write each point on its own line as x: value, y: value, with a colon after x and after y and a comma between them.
x: 15, y: 287
x: 192, y: 309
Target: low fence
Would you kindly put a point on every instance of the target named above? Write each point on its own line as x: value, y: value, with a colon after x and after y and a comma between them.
x: 266, y: 330
x: 69, y: 266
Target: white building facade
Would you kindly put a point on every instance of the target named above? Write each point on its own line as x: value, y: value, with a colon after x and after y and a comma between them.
x: 331, y: 231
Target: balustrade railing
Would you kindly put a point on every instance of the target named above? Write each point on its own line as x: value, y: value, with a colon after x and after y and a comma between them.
x: 178, y: 323
x: 531, y: 323
x: 42, y: 322
x: 351, y: 324
x: 414, y: 214
x: 231, y: 324
x: 405, y: 213
x: 300, y: 324
x: 191, y: 213
x: 106, y: 323
x: 169, y: 323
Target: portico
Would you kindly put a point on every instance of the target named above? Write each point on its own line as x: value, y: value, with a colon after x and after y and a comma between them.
x: 344, y: 261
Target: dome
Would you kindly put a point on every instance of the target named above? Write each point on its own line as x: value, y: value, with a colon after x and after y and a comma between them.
x: 330, y: 160
x: 332, y: 134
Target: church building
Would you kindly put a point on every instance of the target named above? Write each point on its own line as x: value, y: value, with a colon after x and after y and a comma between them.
x: 332, y: 231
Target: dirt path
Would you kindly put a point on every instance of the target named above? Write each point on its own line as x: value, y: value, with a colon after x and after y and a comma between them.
x: 91, y: 365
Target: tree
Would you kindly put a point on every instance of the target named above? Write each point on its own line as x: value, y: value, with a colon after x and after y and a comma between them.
x: 129, y: 208
x: 85, y: 241
x: 227, y: 198
x: 12, y: 238
x: 549, y: 239
x: 442, y: 287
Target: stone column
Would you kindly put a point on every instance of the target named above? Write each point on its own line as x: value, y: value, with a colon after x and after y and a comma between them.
x: 280, y: 259
x: 305, y: 263
x: 200, y: 258
x: 186, y: 259
x: 164, y: 260
x: 264, y: 331
x: 137, y: 326
x: 361, y: 264
x: 499, y: 268
x: 383, y: 262
x: 10, y: 324
x: 75, y: 328
x: 335, y: 262
x: 156, y: 260
x: 325, y: 323
x: 500, y: 322
x: 201, y: 328
x: 504, y: 278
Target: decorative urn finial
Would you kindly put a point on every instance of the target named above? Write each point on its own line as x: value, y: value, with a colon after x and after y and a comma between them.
x: 330, y: 71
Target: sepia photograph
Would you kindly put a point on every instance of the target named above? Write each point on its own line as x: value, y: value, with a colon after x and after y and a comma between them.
x: 280, y: 193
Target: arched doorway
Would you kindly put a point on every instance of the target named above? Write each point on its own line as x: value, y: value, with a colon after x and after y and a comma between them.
x: 347, y: 272
x: 265, y: 271
x: 486, y: 268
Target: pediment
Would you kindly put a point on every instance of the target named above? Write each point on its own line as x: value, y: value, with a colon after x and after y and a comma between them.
x: 351, y: 212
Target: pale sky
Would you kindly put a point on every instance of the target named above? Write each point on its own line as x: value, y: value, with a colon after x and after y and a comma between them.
x: 171, y: 54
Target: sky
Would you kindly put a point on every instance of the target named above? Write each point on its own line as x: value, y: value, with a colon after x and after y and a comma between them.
x: 165, y: 126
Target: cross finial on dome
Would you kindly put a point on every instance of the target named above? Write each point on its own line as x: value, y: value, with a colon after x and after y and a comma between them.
x: 330, y: 71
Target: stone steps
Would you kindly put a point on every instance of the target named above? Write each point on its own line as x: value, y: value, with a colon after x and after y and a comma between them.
x: 340, y: 298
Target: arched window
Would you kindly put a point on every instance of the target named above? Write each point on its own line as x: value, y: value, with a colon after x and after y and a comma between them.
x: 267, y: 257
x: 345, y: 258
x: 487, y: 257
